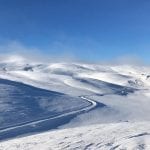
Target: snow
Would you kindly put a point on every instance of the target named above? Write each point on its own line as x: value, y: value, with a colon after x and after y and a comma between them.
x: 118, y: 117
x: 27, y: 108
x: 99, y: 136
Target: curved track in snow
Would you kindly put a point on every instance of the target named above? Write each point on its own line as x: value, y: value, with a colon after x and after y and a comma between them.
x: 92, y: 105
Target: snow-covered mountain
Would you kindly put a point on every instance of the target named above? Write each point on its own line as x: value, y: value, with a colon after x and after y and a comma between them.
x: 100, y: 106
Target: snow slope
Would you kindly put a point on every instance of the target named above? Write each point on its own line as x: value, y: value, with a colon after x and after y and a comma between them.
x: 26, y: 103
x: 120, y: 100
x: 118, y: 136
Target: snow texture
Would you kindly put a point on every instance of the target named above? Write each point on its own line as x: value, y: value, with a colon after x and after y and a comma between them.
x: 94, y: 106
x: 118, y: 136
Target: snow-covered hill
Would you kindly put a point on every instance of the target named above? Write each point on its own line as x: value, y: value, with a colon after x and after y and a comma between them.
x: 109, y: 104
x: 118, y: 136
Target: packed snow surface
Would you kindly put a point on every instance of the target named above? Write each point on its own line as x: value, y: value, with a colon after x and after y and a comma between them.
x: 118, y: 136
x: 94, y: 106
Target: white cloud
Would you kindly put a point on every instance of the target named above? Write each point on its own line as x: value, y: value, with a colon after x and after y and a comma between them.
x: 16, y: 51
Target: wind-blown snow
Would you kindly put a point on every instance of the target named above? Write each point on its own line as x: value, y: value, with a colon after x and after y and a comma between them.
x: 123, y: 90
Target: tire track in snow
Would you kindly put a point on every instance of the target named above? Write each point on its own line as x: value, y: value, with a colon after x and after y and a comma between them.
x: 33, y: 123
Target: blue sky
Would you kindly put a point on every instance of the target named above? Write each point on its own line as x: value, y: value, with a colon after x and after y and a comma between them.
x: 92, y: 30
